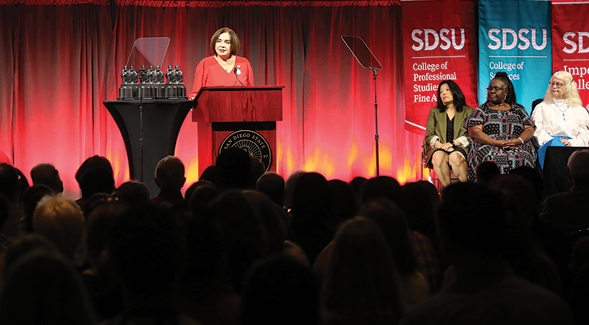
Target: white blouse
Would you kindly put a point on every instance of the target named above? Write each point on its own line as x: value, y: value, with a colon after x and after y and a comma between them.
x: 558, y: 119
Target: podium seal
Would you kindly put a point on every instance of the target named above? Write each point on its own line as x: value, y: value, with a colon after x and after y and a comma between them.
x: 251, y: 142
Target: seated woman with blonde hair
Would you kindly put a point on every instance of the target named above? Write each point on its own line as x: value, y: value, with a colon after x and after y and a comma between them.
x: 561, y: 119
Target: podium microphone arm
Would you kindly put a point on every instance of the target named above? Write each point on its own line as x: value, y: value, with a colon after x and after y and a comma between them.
x: 237, y: 77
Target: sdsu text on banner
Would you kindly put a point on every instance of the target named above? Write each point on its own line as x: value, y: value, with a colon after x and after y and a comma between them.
x: 439, y: 40
x: 570, y: 34
x: 514, y: 36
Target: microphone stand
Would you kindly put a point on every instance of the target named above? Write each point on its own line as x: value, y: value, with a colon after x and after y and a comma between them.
x: 376, y: 136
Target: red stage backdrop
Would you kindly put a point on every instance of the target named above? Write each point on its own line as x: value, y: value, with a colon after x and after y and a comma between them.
x: 570, y: 39
x: 439, y: 43
x: 59, y: 61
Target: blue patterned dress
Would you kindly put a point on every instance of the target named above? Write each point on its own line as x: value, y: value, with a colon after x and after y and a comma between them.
x: 500, y: 125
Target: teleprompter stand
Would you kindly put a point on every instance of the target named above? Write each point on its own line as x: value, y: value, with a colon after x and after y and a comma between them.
x: 367, y: 60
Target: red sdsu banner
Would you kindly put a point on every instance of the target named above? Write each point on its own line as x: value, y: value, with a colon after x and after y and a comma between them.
x: 439, y: 43
x: 570, y: 39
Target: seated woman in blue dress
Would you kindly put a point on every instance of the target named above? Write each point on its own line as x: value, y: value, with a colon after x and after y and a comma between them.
x: 501, y: 130
x: 446, y: 140
x: 561, y: 119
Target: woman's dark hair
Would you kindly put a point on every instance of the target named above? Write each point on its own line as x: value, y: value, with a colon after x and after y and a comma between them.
x: 235, y: 43
x: 393, y: 223
x: 457, y: 94
x: 146, y: 248
x: 32, y: 197
x: 281, y: 290
x: 502, y: 76
x: 361, y: 265
x: 43, y: 287
x: 243, y: 238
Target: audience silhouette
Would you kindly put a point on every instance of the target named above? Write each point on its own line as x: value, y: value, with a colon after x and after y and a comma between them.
x: 44, y: 288
x: 360, y: 285
x: 241, y: 246
x: 272, y: 185
x: 310, y: 211
x: 46, y: 174
x: 95, y: 175
x: 476, y: 231
x: 60, y: 220
x: 169, y: 177
x: 10, y: 188
x: 280, y: 290
x: 567, y: 211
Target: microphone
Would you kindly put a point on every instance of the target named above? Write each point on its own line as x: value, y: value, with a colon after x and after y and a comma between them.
x: 237, y: 73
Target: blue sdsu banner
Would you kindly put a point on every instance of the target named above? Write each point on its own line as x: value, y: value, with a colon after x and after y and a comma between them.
x: 515, y: 37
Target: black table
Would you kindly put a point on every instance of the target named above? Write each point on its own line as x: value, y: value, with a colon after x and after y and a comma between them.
x: 555, y: 169
x: 150, y: 129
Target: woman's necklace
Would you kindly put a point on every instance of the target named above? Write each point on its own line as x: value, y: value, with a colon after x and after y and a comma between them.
x: 562, y: 106
x: 225, y: 64
x: 498, y: 107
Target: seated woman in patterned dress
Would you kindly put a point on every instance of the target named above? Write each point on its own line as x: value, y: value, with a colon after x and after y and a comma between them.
x: 501, y: 130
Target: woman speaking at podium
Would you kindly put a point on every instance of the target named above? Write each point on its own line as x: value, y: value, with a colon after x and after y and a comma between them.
x: 224, y: 68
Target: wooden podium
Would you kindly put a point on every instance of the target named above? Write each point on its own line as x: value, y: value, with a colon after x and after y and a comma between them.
x: 220, y: 111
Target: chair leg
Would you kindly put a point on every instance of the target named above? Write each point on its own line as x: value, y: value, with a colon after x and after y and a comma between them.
x: 433, y: 178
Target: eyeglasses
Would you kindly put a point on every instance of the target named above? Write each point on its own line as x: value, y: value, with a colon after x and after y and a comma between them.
x: 495, y: 88
x: 557, y: 84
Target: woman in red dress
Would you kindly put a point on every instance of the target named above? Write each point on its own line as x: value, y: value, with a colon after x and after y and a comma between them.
x: 224, y: 68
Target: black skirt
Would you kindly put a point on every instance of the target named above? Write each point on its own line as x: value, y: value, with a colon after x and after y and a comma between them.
x: 428, y: 158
